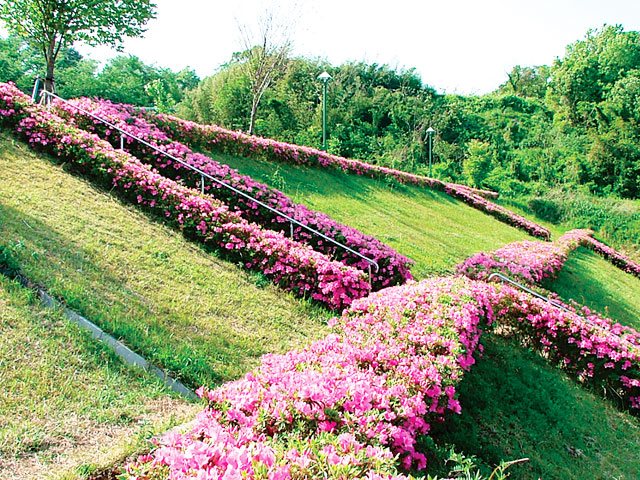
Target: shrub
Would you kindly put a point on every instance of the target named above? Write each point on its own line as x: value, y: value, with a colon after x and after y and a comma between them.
x: 289, y: 264
x: 393, y: 267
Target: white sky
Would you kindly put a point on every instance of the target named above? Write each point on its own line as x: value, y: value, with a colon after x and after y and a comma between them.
x: 457, y: 46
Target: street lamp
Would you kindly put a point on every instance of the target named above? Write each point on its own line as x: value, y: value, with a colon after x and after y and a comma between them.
x: 430, y: 132
x: 324, y: 77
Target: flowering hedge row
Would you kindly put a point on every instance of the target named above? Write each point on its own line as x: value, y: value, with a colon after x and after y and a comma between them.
x: 616, y: 258
x: 593, y: 348
x: 347, y: 405
x: 534, y: 262
x: 214, y: 138
x: 291, y: 265
x: 586, y: 344
x: 393, y: 267
x: 529, y: 261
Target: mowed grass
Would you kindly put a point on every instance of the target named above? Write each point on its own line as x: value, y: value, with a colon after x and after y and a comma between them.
x: 204, y: 320
x: 593, y: 281
x: 63, y: 396
x: 515, y: 405
x: 433, y: 229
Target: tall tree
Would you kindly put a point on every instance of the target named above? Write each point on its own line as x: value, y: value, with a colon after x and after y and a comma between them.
x: 49, y: 25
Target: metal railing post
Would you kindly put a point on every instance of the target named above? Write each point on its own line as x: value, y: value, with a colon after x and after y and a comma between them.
x: 35, y: 95
x: 504, y: 278
x: 204, y: 175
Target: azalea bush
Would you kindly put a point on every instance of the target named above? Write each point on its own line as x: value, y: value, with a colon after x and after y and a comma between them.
x: 217, y: 139
x: 528, y: 261
x: 393, y: 268
x: 289, y: 264
x: 351, y: 405
x: 594, y: 349
x: 533, y: 262
x: 615, y: 257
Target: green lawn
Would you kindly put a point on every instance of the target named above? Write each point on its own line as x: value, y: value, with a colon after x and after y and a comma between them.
x: 63, y: 395
x: 430, y: 227
x: 514, y: 405
x: 208, y: 321
x: 591, y: 280
x: 203, y: 319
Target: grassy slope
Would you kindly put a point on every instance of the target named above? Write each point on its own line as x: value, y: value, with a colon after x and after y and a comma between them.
x: 130, y: 263
x: 439, y: 232
x: 514, y: 405
x: 201, y: 318
x: 537, y: 412
x: 593, y: 281
x: 62, y: 394
x: 430, y: 227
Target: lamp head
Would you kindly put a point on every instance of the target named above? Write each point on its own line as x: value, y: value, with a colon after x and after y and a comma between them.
x: 324, y: 77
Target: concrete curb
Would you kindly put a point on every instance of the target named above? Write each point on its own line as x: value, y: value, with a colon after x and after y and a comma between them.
x: 121, y: 350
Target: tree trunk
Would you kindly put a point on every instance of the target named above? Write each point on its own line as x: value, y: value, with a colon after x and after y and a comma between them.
x: 49, y: 82
x: 50, y: 57
x: 254, y: 114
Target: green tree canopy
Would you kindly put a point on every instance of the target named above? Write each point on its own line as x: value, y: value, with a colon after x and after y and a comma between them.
x: 50, y: 25
x: 591, y: 67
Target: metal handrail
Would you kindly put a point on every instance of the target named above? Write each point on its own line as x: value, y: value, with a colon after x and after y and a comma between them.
x: 504, y: 278
x: 204, y: 175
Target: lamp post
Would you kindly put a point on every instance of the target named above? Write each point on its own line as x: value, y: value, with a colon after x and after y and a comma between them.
x: 324, y: 77
x: 430, y: 132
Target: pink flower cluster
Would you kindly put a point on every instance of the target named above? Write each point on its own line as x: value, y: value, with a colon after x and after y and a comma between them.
x: 236, y: 143
x: 616, y: 258
x: 595, y: 349
x: 387, y: 371
x: 393, y: 267
x: 291, y: 265
x: 349, y: 405
x: 211, y: 450
x: 536, y: 261
x: 530, y: 261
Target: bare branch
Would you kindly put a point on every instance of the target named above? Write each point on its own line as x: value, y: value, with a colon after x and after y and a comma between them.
x: 265, y: 57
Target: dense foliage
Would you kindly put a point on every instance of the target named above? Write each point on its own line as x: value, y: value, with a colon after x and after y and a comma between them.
x: 289, y: 264
x: 574, y: 122
x: 124, y: 78
x: 51, y: 25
